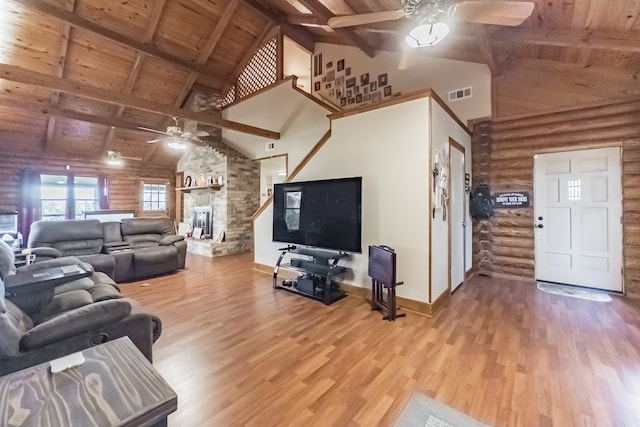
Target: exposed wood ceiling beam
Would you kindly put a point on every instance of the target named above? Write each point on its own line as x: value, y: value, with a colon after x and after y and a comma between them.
x: 321, y: 10
x: 79, y: 22
x: 606, y: 40
x: 214, y: 38
x: 21, y: 75
x: 295, y: 33
x: 56, y: 111
x: 486, y: 49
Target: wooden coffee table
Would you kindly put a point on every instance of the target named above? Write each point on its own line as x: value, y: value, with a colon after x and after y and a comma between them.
x: 116, y: 386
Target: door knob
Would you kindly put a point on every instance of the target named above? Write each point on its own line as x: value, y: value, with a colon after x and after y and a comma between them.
x: 540, y: 226
x: 540, y: 218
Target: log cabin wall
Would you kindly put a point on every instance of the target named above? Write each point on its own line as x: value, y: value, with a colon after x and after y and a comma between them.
x: 124, y: 181
x: 504, y: 244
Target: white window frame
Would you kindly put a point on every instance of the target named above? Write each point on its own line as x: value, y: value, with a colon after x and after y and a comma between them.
x: 167, y: 199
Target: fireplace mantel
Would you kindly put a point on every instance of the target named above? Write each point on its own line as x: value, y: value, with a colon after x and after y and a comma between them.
x: 213, y: 187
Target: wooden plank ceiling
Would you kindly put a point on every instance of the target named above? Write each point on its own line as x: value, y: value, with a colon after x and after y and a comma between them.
x: 79, y: 76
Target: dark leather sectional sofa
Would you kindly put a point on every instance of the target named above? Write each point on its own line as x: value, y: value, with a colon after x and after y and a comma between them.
x: 132, y: 249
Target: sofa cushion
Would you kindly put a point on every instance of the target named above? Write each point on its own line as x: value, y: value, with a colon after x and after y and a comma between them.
x: 62, y: 303
x: 160, y: 226
x: 74, y: 237
x: 135, y: 240
x: 111, y: 232
x: 105, y: 263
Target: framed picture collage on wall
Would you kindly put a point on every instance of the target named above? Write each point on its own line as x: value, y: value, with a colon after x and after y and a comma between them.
x: 336, y: 83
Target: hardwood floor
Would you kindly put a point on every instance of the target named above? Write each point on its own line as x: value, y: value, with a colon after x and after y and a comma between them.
x: 239, y: 353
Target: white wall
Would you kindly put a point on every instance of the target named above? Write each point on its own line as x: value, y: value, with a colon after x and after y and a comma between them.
x: 443, y: 128
x: 300, y: 121
x: 297, y: 62
x: 389, y: 148
x: 441, y: 75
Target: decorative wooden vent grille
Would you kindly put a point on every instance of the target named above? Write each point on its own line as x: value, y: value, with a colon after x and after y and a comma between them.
x: 260, y: 72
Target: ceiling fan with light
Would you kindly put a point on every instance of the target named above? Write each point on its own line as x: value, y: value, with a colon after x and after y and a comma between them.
x: 431, y: 17
x: 175, y: 136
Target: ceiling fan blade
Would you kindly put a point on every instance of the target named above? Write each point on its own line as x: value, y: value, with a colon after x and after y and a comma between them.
x: 492, y: 12
x: 364, y: 18
x: 152, y: 130
x: 153, y: 141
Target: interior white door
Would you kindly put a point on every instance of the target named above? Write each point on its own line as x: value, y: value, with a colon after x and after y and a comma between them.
x: 577, y: 215
x: 457, y: 217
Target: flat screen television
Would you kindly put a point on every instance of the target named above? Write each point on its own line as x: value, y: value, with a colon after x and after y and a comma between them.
x: 323, y: 214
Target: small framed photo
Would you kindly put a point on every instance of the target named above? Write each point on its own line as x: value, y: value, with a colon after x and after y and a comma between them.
x: 375, y: 97
x: 330, y: 64
x: 351, y: 101
x: 349, y: 93
x: 331, y: 74
x: 316, y: 86
x: 324, y: 79
x: 340, y: 65
x: 365, y: 90
x: 347, y: 71
x: 339, y: 80
x: 219, y: 236
x: 197, y: 233
x: 351, y: 82
x: 359, y: 98
x: 373, y: 86
x: 382, y: 79
x: 327, y: 86
x: 387, y: 91
x: 187, y: 181
x: 366, y: 98
x: 343, y: 102
x: 364, y: 79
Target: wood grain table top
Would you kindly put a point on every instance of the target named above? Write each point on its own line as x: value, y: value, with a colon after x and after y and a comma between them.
x: 116, y: 386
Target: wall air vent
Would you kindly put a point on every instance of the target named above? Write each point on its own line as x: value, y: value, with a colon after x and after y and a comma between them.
x: 458, y: 94
x: 269, y: 146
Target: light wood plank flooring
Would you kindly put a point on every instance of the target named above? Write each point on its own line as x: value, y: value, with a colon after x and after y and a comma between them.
x: 239, y: 353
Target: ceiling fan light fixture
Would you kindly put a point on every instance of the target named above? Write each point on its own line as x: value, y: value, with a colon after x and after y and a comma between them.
x: 427, y: 34
x: 114, y: 158
x: 176, y: 145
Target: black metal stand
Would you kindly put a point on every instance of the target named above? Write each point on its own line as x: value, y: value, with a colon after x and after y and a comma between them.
x: 317, y: 281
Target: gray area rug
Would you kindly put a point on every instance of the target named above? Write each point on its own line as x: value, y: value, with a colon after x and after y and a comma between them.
x: 570, y: 291
x: 422, y: 411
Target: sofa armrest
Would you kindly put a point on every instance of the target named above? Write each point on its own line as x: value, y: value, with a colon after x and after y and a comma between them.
x: 75, y: 322
x: 44, y: 252
x: 170, y: 239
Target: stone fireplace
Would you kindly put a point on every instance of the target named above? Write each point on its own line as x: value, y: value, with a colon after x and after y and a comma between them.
x: 224, y: 213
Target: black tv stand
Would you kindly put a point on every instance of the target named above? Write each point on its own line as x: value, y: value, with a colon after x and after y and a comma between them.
x: 319, y: 269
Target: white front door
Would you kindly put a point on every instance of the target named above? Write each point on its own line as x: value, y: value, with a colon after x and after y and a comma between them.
x: 577, y: 215
x: 457, y: 217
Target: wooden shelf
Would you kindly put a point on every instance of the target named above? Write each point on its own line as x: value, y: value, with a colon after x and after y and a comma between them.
x: 199, y: 187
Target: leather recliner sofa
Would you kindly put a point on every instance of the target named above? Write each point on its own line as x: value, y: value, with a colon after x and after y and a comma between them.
x: 129, y: 250
x: 41, y: 322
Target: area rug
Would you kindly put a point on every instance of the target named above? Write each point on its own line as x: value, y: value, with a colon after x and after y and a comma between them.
x: 570, y: 291
x: 422, y: 411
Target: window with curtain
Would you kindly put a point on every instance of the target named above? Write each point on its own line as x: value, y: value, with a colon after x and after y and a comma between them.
x: 67, y: 197
x: 154, y: 197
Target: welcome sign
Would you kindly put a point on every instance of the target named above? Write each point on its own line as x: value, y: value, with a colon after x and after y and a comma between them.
x: 511, y: 200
